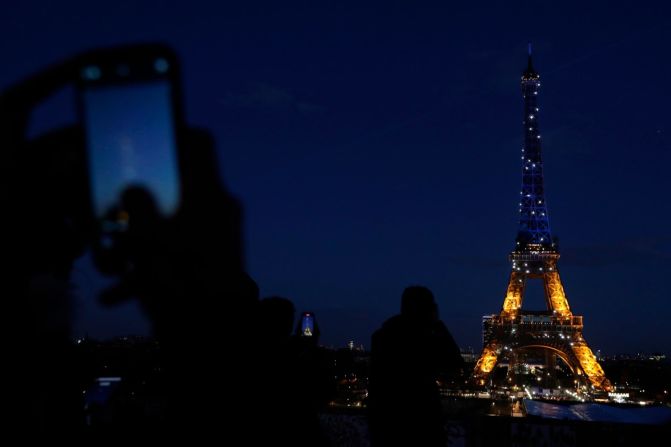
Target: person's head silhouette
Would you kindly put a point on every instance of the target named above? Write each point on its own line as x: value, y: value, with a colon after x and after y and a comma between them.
x: 418, y: 304
x: 276, y: 315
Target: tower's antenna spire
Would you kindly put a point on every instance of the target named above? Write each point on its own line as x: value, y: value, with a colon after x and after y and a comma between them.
x: 530, y: 66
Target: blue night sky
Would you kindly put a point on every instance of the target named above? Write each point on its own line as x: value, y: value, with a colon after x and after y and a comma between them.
x: 377, y: 146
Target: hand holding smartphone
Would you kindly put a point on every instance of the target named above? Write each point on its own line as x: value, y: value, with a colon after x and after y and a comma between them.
x: 129, y: 102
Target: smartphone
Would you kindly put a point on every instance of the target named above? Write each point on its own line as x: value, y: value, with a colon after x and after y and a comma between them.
x: 130, y: 106
x: 307, y: 324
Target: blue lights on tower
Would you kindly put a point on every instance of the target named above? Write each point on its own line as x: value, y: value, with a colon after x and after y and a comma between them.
x: 534, y: 225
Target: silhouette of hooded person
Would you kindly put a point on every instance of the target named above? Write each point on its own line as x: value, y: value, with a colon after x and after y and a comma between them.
x: 410, y: 353
x: 288, y: 379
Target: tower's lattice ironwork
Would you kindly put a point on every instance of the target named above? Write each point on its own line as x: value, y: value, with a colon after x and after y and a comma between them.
x: 557, y: 331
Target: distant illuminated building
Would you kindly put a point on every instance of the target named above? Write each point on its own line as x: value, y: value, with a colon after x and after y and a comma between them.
x: 468, y: 355
x: 487, y: 332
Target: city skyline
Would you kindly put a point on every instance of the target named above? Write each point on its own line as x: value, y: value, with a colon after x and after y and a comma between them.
x: 373, y: 149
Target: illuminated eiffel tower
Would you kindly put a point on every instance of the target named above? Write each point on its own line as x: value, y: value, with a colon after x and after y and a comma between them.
x: 515, y: 334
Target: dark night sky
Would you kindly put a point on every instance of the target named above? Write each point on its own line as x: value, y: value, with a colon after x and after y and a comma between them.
x: 378, y: 146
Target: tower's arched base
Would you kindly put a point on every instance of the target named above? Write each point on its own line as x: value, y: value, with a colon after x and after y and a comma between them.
x: 528, y: 343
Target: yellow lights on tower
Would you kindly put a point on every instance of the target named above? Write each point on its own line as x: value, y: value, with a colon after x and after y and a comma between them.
x: 513, y: 300
x: 554, y: 292
x: 591, y: 368
x: 486, y: 362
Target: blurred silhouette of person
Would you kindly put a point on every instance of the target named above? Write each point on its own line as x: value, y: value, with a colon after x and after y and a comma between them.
x: 314, y: 372
x: 187, y: 273
x: 290, y: 379
x: 41, y: 234
x: 410, y: 353
x: 275, y: 380
x: 275, y: 321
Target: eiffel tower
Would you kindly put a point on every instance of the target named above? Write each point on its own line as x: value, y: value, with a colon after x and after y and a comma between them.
x: 515, y: 334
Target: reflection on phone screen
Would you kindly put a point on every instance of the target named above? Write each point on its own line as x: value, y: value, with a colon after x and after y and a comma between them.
x: 307, y: 326
x: 131, y: 139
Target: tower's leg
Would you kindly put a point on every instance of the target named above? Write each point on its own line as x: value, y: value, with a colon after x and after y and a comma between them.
x: 513, y: 300
x: 591, y: 367
x: 554, y: 293
x: 485, y: 364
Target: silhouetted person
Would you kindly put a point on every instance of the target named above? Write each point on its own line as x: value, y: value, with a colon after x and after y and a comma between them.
x: 289, y: 379
x: 188, y: 278
x: 315, y: 379
x: 409, y: 354
x: 186, y: 272
x: 274, y: 322
x: 41, y: 233
x: 274, y: 371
